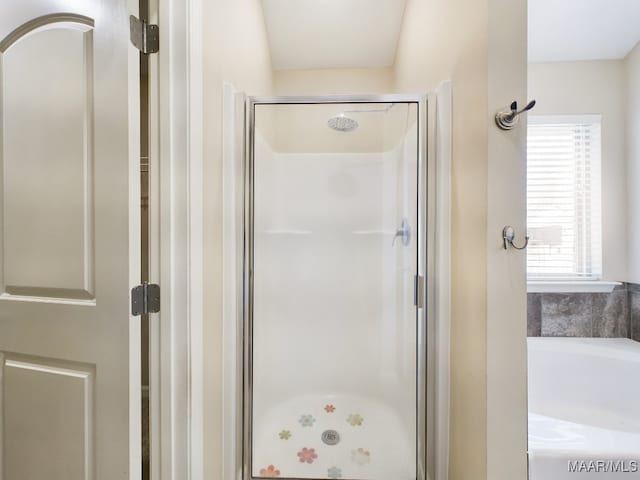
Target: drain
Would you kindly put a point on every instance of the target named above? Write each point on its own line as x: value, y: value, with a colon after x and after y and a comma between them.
x: 330, y: 437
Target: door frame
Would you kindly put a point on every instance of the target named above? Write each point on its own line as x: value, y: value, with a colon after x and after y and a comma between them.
x: 175, y: 240
x: 439, y: 141
x: 426, y: 268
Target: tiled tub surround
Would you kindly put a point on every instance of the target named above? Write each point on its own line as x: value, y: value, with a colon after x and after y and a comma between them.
x: 614, y: 314
x: 634, y: 311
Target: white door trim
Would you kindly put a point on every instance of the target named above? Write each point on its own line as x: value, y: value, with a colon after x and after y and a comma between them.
x: 443, y: 134
x: 233, y: 126
x: 176, y: 221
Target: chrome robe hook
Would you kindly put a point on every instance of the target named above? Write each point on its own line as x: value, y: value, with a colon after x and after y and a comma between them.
x: 509, y: 235
x: 507, y: 119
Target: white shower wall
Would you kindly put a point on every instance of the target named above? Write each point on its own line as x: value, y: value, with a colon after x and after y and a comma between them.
x: 334, y: 321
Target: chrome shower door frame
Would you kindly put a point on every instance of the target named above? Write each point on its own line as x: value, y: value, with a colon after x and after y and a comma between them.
x: 425, y: 381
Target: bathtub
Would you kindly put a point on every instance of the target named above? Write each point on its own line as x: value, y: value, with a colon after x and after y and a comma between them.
x: 584, y: 408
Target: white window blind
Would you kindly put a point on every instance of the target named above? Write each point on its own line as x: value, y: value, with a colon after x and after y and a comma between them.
x: 563, y: 198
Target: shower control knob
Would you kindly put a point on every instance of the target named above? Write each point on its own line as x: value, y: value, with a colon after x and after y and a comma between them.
x: 403, y: 232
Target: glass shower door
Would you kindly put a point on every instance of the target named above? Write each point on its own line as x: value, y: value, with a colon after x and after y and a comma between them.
x: 333, y: 332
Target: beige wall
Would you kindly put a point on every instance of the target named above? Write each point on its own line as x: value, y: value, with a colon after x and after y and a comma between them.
x: 338, y: 81
x: 463, y: 40
x: 235, y: 50
x: 632, y: 81
x: 506, y: 271
x: 429, y: 52
x: 594, y: 87
x: 441, y: 39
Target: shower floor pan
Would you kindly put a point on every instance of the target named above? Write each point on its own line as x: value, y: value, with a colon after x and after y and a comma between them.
x: 333, y: 436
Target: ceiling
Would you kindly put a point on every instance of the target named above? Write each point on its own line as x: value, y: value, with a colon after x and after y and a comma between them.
x: 333, y: 33
x: 307, y: 34
x: 570, y: 30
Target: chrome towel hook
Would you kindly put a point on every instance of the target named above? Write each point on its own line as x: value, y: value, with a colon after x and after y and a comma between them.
x: 507, y: 119
x: 509, y: 235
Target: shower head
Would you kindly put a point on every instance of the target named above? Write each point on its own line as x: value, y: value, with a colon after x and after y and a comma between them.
x: 342, y: 123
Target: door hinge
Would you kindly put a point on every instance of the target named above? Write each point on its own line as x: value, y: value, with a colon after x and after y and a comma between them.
x: 144, y: 36
x: 145, y: 299
x: 418, y: 291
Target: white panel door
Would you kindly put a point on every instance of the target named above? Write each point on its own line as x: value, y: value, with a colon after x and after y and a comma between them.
x: 69, y: 241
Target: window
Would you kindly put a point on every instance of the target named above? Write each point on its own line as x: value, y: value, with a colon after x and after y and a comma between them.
x: 563, y: 198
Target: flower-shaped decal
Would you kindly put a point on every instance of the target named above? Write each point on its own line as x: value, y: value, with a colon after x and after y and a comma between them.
x: 285, y: 435
x: 307, y: 455
x: 270, y: 472
x: 334, y: 472
x: 307, y: 420
x: 329, y: 408
x: 355, y: 420
x: 361, y: 456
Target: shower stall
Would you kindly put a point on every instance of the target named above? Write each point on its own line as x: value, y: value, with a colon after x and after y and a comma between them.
x: 336, y: 314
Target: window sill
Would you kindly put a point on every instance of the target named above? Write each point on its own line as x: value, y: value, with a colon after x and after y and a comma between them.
x: 586, y: 286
